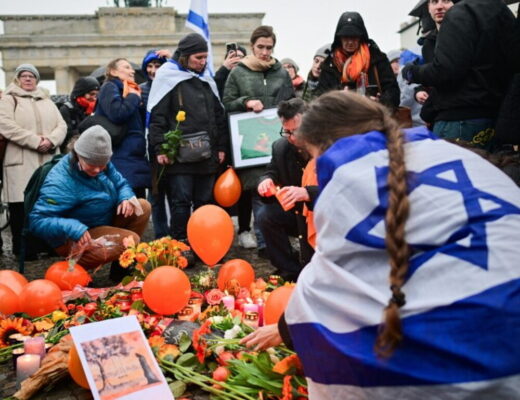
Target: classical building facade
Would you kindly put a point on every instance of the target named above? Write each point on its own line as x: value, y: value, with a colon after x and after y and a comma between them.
x: 65, y: 47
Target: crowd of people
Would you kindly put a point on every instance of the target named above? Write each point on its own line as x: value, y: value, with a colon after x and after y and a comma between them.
x: 407, y: 238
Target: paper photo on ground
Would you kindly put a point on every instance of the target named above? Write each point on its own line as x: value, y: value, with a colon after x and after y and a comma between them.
x: 118, y: 361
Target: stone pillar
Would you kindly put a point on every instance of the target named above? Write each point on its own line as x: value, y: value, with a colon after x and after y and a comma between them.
x: 61, y: 76
x: 9, y: 76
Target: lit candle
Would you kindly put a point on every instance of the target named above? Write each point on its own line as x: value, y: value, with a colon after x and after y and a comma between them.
x: 26, y: 365
x: 229, y: 302
x: 35, y: 345
x: 251, y: 315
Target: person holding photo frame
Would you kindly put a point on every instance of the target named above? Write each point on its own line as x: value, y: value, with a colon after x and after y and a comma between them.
x: 258, y: 82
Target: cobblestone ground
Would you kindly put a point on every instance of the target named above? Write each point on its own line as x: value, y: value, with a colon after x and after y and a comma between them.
x: 67, y: 389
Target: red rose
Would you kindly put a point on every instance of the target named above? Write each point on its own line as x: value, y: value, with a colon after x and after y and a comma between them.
x: 214, y: 297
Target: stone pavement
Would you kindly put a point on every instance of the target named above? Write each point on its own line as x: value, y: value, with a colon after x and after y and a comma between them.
x: 67, y: 389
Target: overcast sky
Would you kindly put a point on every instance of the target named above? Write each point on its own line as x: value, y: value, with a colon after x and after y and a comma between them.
x: 301, y: 26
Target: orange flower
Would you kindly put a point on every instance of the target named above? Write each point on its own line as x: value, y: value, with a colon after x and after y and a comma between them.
x: 183, y: 246
x: 177, y: 253
x: 141, y: 258
x: 43, y: 325
x: 126, y: 258
x: 169, y: 350
x: 199, y: 344
x: 143, y: 247
x: 182, y: 262
x: 284, y: 366
x: 156, y: 341
x: 287, y: 388
x: 10, y: 326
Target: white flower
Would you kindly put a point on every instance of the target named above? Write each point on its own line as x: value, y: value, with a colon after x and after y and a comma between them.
x: 233, y: 332
x: 216, y: 319
x: 204, y: 281
x: 273, y: 358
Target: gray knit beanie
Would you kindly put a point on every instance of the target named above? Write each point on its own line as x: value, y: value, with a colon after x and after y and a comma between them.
x: 94, y: 146
x: 291, y: 62
x: 323, y: 51
x: 27, y: 67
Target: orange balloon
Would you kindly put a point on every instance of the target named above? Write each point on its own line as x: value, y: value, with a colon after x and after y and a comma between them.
x: 227, y: 188
x: 9, y: 301
x: 166, y: 290
x: 65, y: 277
x: 76, y: 369
x: 210, y: 233
x: 13, y: 280
x: 276, y: 303
x: 40, y: 297
x: 237, y: 269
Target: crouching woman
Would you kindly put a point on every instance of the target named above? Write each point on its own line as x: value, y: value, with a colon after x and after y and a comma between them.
x: 83, y: 198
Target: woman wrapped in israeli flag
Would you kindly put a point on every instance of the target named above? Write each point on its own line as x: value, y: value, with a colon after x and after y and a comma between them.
x: 414, y: 289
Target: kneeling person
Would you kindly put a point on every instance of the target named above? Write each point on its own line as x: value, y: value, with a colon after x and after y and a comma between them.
x: 83, y: 198
x: 285, y: 170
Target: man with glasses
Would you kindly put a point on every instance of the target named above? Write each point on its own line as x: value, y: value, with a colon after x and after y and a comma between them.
x: 283, y: 177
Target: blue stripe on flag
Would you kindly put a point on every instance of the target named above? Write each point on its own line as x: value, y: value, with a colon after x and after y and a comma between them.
x: 198, y: 20
x: 474, y: 339
x: 351, y: 148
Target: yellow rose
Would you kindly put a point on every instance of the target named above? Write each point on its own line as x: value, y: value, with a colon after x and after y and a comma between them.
x: 58, y: 315
x: 181, y: 116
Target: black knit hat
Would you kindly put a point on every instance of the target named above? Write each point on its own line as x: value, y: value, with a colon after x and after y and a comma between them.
x: 83, y: 86
x: 191, y: 44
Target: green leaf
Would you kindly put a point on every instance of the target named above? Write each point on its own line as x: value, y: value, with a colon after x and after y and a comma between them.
x: 188, y: 360
x: 127, y: 279
x: 138, y: 305
x: 184, y: 342
x: 178, y: 388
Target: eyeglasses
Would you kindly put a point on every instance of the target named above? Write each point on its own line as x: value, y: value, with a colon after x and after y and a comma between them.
x: 285, y: 133
x: 27, y: 76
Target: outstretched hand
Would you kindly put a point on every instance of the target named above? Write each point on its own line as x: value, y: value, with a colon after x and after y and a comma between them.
x: 263, y: 338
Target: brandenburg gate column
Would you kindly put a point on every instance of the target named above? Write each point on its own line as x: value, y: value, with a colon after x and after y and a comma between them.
x: 65, y: 78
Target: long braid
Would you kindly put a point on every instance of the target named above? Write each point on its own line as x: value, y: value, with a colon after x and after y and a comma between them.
x: 397, y: 213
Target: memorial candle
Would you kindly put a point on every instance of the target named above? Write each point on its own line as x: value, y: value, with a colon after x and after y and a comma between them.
x: 35, y: 345
x: 26, y: 365
x: 260, y: 303
x: 229, y: 302
x: 251, y: 315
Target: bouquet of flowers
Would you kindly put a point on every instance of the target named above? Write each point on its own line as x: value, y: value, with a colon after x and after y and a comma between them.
x: 145, y: 257
x: 172, y: 140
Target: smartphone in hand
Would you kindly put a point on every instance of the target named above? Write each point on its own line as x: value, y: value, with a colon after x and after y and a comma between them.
x: 232, y: 46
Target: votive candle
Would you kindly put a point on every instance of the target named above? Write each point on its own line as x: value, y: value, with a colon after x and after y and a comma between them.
x: 35, y: 345
x: 26, y: 365
x: 229, y: 302
x: 260, y: 303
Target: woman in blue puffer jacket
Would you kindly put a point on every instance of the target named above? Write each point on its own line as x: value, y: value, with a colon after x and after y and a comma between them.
x: 83, y: 198
x: 119, y: 100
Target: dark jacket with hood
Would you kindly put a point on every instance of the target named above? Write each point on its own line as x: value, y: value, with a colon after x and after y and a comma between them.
x: 473, y: 60
x: 204, y: 112
x: 130, y: 155
x: 71, y: 111
x: 352, y: 24
x: 146, y: 86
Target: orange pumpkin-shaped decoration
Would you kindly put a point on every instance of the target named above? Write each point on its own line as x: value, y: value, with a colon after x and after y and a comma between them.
x: 76, y: 369
x: 66, y: 276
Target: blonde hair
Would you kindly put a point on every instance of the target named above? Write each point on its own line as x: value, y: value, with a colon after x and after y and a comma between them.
x: 340, y: 114
x: 111, y: 66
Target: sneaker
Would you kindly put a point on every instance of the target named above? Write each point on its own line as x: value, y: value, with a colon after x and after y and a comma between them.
x: 246, y: 240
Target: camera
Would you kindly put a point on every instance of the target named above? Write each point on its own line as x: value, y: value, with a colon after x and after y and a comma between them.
x: 231, y: 47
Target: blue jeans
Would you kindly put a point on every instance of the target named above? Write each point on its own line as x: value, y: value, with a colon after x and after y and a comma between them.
x: 187, y: 192
x: 276, y: 226
x: 161, y: 226
x: 476, y: 132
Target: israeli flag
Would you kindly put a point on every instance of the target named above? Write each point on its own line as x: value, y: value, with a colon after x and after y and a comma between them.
x: 198, y: 21
x: 461, y: 321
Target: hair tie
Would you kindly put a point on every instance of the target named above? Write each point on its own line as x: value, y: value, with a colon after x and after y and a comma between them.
x: 398, y: 297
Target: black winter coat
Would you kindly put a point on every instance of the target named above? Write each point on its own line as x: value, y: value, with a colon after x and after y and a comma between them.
x: 351, y: 24
x: 286, y: 169
x: 472, y: 63
x: 73, y: 114
x: 204, y: 112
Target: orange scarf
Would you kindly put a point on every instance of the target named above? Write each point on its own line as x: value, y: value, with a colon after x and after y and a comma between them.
x: 87, y: 105
x: 310, y: 178
x: 130, y: 84
x: 351, y: 67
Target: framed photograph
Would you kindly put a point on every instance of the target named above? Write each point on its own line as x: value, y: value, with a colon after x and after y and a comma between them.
x: 118, y: 361
x: 252, y: 135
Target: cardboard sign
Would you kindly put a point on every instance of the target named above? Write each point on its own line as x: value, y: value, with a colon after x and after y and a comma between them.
x: 118, y: 361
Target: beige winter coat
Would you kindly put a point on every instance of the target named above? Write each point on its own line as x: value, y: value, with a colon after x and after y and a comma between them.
x: 35, y: 116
